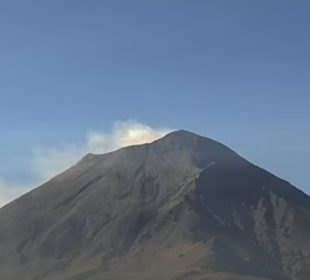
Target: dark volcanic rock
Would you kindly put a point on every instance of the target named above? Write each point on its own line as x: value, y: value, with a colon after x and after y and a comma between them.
x: 183, y: 207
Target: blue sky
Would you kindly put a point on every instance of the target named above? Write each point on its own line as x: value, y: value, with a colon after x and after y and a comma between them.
x: 237, y: 71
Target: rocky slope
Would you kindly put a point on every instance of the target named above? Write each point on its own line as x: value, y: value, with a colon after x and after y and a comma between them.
x: 183, y: 207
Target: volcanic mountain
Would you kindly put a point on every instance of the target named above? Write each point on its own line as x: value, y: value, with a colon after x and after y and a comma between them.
x: 184, y: 207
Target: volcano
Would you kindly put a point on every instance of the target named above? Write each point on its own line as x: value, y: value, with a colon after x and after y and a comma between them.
x: 184, y: 207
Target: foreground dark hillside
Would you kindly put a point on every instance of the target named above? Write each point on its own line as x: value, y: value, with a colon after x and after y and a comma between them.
x: 181, y: 208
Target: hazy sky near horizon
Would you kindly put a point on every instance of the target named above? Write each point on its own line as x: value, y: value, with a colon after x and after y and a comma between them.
x: 237, y: 71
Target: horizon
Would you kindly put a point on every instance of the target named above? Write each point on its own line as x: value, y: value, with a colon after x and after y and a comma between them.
x: 79, y: 77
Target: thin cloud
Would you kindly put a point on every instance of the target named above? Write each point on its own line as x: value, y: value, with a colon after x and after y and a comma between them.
x: 9, y: 192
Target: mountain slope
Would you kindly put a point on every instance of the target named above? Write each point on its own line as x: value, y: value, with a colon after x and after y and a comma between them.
x: 183, y: 207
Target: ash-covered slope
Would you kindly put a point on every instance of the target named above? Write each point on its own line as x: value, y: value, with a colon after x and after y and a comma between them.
x: 183, y: 207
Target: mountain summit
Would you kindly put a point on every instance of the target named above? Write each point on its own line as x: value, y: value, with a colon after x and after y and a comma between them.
x: 184, y: 207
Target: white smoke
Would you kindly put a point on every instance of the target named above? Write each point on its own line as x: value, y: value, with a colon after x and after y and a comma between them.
x: 48, y: 162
